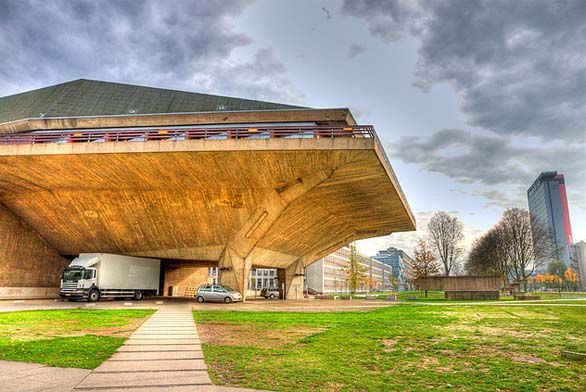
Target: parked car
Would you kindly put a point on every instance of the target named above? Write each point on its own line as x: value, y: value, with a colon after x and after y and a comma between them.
x: 269, y: 293
x: 217, y: 293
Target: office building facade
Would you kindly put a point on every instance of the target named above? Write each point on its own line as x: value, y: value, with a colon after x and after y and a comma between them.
x: 329, y: 275
x: 258, y: 278
x: 548, y: 204
x: 400, y: 263
x: 580, y: 255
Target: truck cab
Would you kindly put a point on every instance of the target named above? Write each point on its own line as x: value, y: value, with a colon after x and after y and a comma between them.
x: 79, y: 282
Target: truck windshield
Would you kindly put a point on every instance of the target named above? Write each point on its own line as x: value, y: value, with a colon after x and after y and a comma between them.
x: 72, y: 274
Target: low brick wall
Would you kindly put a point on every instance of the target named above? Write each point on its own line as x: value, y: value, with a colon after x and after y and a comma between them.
x: 472, y: 295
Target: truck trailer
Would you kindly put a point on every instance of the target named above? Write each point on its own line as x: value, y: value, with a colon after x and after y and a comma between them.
x: 93, y: 276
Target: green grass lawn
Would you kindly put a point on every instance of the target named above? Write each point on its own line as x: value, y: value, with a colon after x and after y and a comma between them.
x: 66, y: 338
x: 399, y: 348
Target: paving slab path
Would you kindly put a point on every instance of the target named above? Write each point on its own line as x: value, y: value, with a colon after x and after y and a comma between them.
x: 163, y: 354
x: 34, y: 377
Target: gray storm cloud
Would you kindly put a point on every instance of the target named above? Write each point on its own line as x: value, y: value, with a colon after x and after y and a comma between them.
x: 178, y: 44
x: 491, y: 159
x: 520, y: 70
x: 520, y: 66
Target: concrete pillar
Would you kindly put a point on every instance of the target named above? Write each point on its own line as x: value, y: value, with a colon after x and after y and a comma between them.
x: 236, y: 262
x: 292, y: 277
x: 234, y: 271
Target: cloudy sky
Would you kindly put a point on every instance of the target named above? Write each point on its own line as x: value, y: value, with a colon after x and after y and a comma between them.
x: 472, y: 99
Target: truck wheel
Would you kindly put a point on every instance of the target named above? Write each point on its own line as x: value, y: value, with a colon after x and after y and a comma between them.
x: 93, y: 296
x: 199, y: 299
x: 228, y: 300
x: 272, y: 296
x: 138, y: 295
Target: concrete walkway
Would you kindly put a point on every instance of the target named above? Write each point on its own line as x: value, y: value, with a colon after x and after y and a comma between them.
x: 163, y: 354
x: 33, y: 377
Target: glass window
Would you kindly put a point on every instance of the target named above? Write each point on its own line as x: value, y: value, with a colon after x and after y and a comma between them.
x: 72, y: 274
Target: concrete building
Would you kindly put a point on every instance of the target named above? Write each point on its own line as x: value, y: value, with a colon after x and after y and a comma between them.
x: 329, y: 274
x: 400, y: 263
x: 580, y: 254
x: 196, y: 180
x: 379, y: 273
x: 258, y: 279
x: 548, y: 204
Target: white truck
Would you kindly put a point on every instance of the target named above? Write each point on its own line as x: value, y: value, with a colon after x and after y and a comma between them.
x: 93, y: 276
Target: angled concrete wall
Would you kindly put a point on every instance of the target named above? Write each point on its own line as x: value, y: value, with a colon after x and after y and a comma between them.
x: 29, y: 267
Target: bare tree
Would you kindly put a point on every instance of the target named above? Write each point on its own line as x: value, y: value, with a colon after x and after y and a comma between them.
x: 445, y: 233
x: 488, y: 256
x: 525, y: 241
x: 424, y: 263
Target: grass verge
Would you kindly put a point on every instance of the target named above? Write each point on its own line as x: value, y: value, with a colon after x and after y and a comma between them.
x: 415, y: 348
x: 66, y: 338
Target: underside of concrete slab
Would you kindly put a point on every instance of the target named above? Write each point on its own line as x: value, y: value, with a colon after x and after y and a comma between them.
x: 276, y: 188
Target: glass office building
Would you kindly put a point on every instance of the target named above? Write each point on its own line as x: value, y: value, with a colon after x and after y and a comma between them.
x: 548, y: 203
x: 400, y: 263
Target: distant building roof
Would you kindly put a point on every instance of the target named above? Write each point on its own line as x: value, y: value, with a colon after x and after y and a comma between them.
x: 82, y: 98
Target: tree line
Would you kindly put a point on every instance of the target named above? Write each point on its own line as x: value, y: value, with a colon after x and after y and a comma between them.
x: 517, y: 246
x: 514, y: 248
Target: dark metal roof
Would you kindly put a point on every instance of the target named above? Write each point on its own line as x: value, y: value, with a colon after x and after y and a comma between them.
x: 81, y: 98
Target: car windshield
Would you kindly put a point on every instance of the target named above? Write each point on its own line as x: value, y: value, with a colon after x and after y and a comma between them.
x: 72, y: 274
x: 228, y: 288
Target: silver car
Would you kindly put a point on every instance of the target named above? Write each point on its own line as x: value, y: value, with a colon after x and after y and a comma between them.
x: 217, y: 293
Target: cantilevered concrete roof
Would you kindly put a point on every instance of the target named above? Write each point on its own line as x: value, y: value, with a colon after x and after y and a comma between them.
x: 87, y: 104
x: 194, y: 186
x: 82, y: 98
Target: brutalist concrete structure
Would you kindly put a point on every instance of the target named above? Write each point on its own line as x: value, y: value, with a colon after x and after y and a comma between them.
x: 193, y: 179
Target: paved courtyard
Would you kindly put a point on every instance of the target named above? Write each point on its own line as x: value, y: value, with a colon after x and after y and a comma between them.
x: 259, y: 304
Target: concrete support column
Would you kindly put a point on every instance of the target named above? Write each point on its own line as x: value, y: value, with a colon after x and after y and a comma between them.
x: 236, y: 261
x: 234, y: 271
x: 292, y: 277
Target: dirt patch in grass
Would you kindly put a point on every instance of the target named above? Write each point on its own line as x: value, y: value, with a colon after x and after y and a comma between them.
x: 334, y: 386
x: 501, y: 332
x: 527, y: 359
x: 389, y: 344
x: 225, y: 374
x: 217, y: 334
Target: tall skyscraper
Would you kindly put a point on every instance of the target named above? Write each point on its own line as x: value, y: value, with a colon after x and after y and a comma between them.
x: 549, y: 204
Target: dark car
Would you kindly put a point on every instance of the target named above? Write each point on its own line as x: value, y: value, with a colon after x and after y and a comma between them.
x: 269, y: 293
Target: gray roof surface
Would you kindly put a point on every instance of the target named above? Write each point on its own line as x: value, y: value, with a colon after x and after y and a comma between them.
x: 80, y: 98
